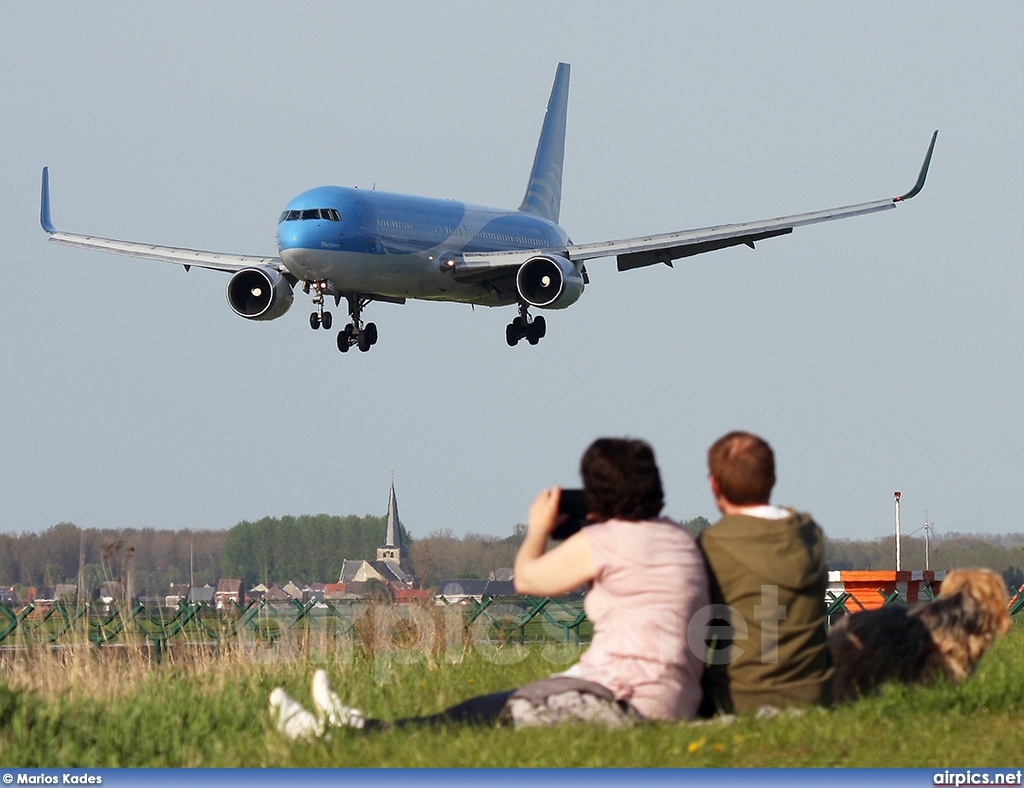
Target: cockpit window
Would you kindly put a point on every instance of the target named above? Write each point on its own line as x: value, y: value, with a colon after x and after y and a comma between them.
x: 328, y: 214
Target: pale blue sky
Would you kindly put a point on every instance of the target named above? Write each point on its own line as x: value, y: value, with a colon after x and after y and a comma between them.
x: 878, y: 353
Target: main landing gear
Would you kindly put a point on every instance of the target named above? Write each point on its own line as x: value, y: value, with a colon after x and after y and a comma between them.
x: 524, y: 327
x: 355, y: 333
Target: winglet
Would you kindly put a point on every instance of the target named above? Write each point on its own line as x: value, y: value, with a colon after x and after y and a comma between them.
x: 924, y: 172
x: 44, y: 204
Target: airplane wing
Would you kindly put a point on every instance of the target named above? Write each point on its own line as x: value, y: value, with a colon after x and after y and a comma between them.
x: 167, y: 254
x: 648, y: 250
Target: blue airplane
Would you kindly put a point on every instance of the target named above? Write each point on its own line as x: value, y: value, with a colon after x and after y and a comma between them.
x: 364, y: 245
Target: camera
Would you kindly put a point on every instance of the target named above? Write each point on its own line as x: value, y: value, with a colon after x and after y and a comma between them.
x: 572, y: 505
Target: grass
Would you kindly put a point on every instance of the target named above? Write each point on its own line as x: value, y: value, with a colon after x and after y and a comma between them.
x: 88, y: 707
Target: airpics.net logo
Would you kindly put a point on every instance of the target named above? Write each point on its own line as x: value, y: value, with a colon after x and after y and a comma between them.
x: 975, y: 777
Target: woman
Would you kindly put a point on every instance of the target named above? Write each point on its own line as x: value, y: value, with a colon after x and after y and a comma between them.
x: 646, y: 580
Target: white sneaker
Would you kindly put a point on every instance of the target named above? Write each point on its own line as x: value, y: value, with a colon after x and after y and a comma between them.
x: 291, y: 719
x: 330, y: 707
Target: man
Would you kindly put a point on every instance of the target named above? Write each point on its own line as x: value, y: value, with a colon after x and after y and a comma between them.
x: 766, y: 566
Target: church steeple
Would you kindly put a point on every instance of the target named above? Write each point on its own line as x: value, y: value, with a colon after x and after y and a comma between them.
x: 393, y: 536
x: 393, y: 549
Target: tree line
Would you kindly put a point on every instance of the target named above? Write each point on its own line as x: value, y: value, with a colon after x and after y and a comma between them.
x: 311, y: 548
x: 153, y: 558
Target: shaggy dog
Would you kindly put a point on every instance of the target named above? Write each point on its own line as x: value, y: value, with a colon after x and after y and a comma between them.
x: 917, y: 645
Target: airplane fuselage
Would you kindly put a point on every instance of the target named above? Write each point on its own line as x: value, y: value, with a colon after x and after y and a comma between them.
x: 391, y: 244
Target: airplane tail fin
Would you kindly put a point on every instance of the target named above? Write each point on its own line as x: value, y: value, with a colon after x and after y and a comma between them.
x: 544, y: 192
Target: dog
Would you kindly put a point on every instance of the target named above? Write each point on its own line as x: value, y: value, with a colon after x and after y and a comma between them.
x: 945, y: 637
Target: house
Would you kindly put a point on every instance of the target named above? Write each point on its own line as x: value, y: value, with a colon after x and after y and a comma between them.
x: 316, y: 592
x: 228, y: 591
x: 277, y: 596
x: 336, y: 592
x: 294, y: 592
x: 403, y: 595
x: 466, y: 592
x: 112, y: 592
x: 203, y: 593
x: 176, y: 593
x: 45, y: 598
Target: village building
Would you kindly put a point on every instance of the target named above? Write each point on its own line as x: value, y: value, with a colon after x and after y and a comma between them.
x: 228, y: 591
x: 277, y: 596
x: 175, y: 594
x: 112, y: 592
x: 468, y: 592
x: 203, y: 593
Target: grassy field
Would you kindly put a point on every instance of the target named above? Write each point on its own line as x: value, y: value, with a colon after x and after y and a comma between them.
x: 85, y: 707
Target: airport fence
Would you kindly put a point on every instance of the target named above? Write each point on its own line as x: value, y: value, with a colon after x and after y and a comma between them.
x: 299, y: 625
x: 329, y: 625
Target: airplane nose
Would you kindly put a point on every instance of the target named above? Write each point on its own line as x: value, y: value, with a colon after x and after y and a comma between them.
x: 293, y: 235
x: 304, y: 235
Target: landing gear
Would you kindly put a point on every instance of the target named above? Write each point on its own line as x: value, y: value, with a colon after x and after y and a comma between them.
x: 525, y: 327
x: 355, y: 333
x: 319, y: 317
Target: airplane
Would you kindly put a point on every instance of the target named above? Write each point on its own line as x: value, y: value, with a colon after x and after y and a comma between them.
x: 364, y: 245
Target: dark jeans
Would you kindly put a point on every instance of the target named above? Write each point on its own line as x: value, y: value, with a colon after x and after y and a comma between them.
x: 481, y: 710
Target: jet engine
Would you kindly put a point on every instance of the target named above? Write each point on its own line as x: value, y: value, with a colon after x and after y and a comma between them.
x: 259, y: 293
x: 549, y: 281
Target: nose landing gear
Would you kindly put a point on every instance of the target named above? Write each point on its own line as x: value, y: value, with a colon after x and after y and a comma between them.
x: 532, y: 329
x: 319, y: 317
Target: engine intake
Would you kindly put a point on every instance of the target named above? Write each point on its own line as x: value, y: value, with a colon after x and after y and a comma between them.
x: 259, y: 293
x: 549, y: 282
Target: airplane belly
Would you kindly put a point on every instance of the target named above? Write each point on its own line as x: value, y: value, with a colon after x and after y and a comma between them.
x: 395, y: 276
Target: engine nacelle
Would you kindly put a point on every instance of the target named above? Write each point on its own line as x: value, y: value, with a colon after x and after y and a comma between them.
x: 259, y: 293
x: 549, y: 281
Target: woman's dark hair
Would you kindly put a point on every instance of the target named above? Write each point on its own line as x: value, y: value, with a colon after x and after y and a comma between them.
x: 621, y: 480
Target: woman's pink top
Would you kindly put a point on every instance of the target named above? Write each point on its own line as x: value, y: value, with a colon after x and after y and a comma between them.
x: 649, y: 580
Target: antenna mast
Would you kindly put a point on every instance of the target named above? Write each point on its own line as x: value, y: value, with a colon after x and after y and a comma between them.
x: 896, y: 495
x: 927, y: 531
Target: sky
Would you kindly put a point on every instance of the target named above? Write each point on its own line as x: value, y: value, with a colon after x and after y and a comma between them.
x: 875, y: 354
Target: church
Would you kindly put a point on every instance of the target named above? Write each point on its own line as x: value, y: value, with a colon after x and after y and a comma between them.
x: 392, y: 565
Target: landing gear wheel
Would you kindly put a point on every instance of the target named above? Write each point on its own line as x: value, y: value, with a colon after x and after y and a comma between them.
x: 363, y: 341
x: 326, y: 320
x: 525, y: 327
x: 345, y: 338
x: 371, y: 333
x: 314, y: 321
